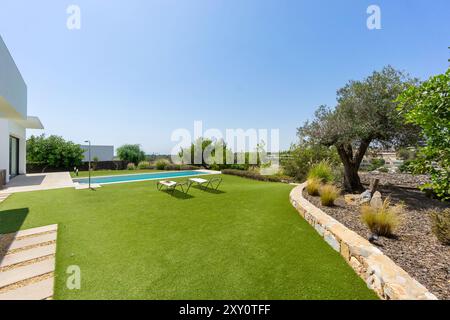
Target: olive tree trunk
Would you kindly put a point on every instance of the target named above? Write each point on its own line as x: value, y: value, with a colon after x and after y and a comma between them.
x: 351, y: 163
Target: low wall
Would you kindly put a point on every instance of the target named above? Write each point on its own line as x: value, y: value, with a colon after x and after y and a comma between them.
x: 381, y: 274
x: 100, y: 165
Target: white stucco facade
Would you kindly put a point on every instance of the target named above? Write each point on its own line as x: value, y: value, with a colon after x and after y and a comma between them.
x: 14, y: 119
x: 102, y: 153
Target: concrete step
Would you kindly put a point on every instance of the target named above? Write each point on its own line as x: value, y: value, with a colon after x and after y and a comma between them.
x: 27, y: 272
x: 31, y: 241
x: 30, y: 232
x: 36, y: 291
x: 26, y: 255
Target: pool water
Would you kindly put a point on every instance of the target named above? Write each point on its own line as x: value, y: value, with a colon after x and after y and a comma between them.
x: 139, y: 177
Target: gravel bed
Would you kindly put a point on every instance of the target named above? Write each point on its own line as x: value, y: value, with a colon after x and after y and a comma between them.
x: 395, y: 179
x: 414, y: 248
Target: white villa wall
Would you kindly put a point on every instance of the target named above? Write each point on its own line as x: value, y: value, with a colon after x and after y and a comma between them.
x: 103, y: 153
x: 4, y: 146
x: 10, y: 128
x: 13, y: 90
x: 13, y: 111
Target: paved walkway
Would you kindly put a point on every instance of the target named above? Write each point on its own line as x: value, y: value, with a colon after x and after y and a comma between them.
x: 27, y: 264
x: 40, y: 181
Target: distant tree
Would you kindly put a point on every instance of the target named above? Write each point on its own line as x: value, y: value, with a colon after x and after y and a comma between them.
x: 428, y: 106
x: 53, y: 151
x: 366, y: 114
x: 131, y: 153
x: 205, y: 152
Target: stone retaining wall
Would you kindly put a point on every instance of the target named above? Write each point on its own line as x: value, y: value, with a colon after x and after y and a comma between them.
x: 381, y: 274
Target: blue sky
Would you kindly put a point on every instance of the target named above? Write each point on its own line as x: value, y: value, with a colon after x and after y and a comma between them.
x: 137, y: 70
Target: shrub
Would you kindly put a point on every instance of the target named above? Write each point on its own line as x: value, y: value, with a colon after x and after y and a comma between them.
x: 328, y: 194
x: 376, y: 164
x: 144, y: 165
x: 298, y: 160
x: 383, y: 169
x: 161, y: 164
x: 313, y: 187
x: 322, y: 171
x: 440, y: 225
x: 383, y: 221
x: 131, y: 166
x: 253, y: 175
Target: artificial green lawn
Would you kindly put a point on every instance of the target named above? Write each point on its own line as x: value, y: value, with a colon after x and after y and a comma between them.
x: 133, y: 242
x: 98, y: 173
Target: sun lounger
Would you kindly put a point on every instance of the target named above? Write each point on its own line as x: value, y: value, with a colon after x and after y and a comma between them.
x: 214, y: 183
x: 172, y: 185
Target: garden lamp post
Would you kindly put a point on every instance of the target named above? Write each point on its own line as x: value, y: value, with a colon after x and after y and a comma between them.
x: 89, y: 169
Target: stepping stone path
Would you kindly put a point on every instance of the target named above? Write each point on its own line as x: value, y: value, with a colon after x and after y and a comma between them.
x: 3, y: 196
x: 27, y: 264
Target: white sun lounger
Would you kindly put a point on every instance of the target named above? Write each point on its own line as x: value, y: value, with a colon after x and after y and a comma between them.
x: 172, y: 185
x: 213, y: 183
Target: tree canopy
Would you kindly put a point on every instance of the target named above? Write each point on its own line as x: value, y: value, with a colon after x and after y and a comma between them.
x: 53, y: 151
x: 131, y: 153
x: 365, y: 115
x: 428, y: 106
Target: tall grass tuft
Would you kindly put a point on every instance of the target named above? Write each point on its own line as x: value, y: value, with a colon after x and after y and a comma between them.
x: 382, y: 221
x: 322, y: 171
x: 328, y: 194
x: 313, y: 186
x: 440, y: 221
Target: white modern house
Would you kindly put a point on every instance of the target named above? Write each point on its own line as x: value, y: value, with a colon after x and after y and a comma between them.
x: 101, y: 153
x: 14, y: 119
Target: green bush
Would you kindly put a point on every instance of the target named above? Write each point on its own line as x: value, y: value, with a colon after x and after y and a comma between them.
x: 376, y: 164
x: 53, y: 151
x: 298, y: 160
x: 440, y: 225
x: 427, y: 106
x: 321, y: 171
x: 161, y: 164
x: 383, y: 169
x: 143, y: 165
x: 328, y: 194
x: 131, y: 166
x: 255, y: 175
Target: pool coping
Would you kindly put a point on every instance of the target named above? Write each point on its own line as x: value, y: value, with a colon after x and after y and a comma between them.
x: 381, y: 274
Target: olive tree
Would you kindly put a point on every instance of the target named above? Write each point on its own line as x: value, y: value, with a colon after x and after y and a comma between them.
x: 365, y: 115
x: 131, y: 153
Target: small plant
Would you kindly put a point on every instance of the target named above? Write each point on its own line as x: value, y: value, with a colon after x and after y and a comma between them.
x: 328, y: 194
x: 161, y: 164
x: 382, y: 221
x: 383, y: 170
x: 322, y: 171
x: 313, y: 187
x: 131, y: 166
x: 144, y: 165
x: 440, y: 225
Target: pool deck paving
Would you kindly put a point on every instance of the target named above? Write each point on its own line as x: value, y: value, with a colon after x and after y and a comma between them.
x: 27, y: 264
x: 37, y: 182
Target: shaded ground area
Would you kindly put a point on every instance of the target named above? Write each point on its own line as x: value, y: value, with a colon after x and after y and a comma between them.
x: 133, y: 242
x: 415, y: 247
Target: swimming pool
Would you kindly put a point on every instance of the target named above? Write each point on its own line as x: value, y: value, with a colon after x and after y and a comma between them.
x: 139, y: 177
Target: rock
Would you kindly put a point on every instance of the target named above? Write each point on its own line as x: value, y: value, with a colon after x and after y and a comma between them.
x: 365, y: 197
x: 376, y: 202
x: 352, y: 199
